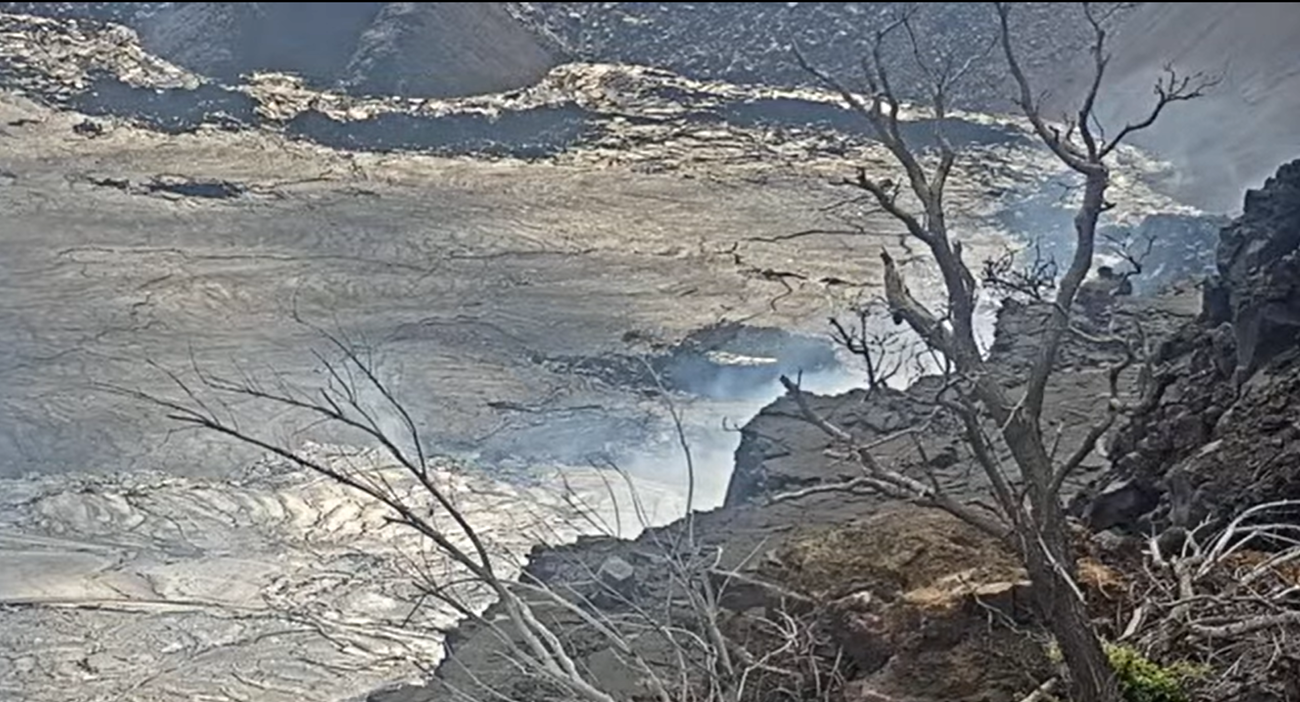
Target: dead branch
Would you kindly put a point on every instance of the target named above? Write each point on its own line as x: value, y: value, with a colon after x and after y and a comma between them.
x: 1169, y: 88
x: 1042, y: 692
x: 777, y: 238
x: 1248, y: 626
x: 880, y: 352
x: 907, y: 308
x: 780, y: 591
x: 1035, y: 279
x: 850, y: 486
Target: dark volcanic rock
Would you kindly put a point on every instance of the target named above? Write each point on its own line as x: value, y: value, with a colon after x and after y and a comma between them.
x: 779, y: 452
x: 121, y: 12
x: 174, y: 111
x: 1235, y: 447
x: 412, y: 48
x: 785, y: 112
x: 533, y: 133
x: 227, y: 39
x: 1259, y: 265
x: 1174, y: 248
x: 750, y: 42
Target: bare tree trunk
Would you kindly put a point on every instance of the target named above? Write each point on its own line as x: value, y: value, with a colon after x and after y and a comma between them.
x: 1091, y: 676
x: 1046, y: 550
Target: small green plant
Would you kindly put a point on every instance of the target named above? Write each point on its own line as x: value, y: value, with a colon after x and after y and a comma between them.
x: 1144, y: 680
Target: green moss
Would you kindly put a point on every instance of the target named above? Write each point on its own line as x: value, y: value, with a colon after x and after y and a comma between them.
x: 1144, y: 680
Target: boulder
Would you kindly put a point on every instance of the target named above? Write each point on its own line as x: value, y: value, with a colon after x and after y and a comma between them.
x: 618, y: 576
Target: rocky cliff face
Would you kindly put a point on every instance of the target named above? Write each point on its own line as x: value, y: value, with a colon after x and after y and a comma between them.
x: 751, y: 42
x: 1258, y: 259
x: 227, y: 39
x: 1229, y: 416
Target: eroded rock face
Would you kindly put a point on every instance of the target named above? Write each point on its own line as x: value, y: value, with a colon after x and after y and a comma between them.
x: 226, y: 39
x: 409, y: 48
x: 1259, y: 265
x: 1229, y: 412
x: 445, y: 49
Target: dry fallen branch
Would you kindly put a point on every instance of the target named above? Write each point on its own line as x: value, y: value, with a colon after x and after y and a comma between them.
x: 1042, y: 692
x: 1247, y: 626
x: 1226, y: 604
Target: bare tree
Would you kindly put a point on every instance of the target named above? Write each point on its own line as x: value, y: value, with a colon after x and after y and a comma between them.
x: 1015, y: 274
x: 883, y: 352
x: 1032, y: 518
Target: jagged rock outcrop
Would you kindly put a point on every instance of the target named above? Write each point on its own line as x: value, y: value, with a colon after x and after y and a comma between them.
x: 1259, y: 268
x: 407, y: 48
x: 779, y: 452
x: 1229, y: 414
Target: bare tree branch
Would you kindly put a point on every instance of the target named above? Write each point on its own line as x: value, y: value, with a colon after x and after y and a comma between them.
x: 1170, y: 88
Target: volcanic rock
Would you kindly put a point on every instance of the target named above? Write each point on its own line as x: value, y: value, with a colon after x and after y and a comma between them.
x: 1227, y: 410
